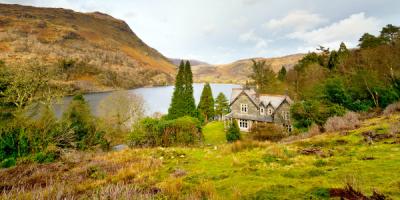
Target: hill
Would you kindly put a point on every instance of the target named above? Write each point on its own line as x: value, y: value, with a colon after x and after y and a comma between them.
x: 239, y: 71
x: 353, y: 164
x: 177, y: 61
x: 100, y: 52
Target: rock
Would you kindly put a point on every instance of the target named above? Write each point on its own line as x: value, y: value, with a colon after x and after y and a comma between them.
x: 120, y: 147
x: 179, y: 173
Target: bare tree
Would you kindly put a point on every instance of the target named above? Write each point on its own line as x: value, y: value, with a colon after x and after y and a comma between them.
x: 121, y: 109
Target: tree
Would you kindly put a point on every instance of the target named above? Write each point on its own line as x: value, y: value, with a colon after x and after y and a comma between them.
x: 390, y: 33
x: 263, y: 77
x: 121, y: 109
x: 189, y: 102
x: 221, y: 105
x: 282, y: 74
x: 80, y: 120
x: 369, y: 41
x: 333, y: 60
x: 206, y: 104
x: 177, y: 107
x: 233, y: 132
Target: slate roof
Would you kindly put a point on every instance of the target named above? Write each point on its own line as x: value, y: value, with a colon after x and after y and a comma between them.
x: 262, y: 99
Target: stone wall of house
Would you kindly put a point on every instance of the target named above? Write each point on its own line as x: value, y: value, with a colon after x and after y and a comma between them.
x: 243, y: 99
x: 279, y: 115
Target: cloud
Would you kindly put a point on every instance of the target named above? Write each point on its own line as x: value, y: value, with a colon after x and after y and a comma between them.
x: 251, y: 36
x: 299, y: 20
x: 347, y: 30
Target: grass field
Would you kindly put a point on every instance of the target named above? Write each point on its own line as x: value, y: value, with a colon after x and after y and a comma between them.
x: 243, y: 170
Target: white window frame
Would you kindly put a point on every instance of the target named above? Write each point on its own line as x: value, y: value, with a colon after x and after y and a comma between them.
x: 262, y: 111
x: 244, y: 108
x: 243, y: 123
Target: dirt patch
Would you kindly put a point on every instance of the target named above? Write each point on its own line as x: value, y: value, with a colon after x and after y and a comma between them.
x: 372, y: 136
x: 314, y: 151
x: 350, y: 193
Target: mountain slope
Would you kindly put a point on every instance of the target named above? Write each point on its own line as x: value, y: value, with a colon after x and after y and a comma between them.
x: 177, y: 61
x: 239, y: 71
x: 104, y: 51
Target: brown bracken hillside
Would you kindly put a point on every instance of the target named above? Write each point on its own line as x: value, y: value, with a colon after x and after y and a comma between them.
x: 239, y: 71
x: 94, y: 51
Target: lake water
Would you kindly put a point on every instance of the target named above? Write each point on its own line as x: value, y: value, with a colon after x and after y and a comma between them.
x: 157, y: 99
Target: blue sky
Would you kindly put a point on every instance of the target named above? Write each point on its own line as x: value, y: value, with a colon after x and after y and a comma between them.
x: 222, y: 31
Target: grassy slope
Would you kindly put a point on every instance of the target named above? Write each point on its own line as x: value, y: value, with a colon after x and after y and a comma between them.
x: 229, y: 171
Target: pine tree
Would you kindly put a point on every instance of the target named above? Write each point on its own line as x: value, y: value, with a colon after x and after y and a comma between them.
x: 221, y: 105
x: 206, y: 104
x: 177, y: 107
x: 282, y: 74
x: 188, y: 98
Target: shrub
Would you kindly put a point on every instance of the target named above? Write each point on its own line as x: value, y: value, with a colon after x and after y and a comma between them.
x: 163, y: 132
x: 392, y: 108
x: 9, y: 162
x: 267, y: 131
x: 349, y: 121
x: 233, y: 132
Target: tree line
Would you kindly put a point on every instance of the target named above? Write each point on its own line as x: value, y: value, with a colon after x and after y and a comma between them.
x: 331, y: 82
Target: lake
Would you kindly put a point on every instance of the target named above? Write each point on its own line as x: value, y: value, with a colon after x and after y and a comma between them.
x: 157, y: 99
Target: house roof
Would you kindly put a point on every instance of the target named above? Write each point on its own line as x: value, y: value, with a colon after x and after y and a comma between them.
x: 263, y: 99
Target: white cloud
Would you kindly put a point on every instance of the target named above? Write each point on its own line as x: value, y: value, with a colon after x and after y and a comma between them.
x: 299, y: 20
x: 251, y: 36
x: 347, y: 30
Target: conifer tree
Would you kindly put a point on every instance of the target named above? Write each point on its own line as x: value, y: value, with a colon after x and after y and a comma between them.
x: 282, y: 74
x: 233, y: 132
x: 188, y: 98
x: 206, y: 104
x: 177, y: 107
x: 221, y: 105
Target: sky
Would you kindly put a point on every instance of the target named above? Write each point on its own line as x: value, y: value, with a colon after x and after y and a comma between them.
x: 222, y: 31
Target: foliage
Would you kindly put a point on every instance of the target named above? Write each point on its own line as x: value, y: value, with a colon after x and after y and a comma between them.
x: 308, y: 112
x: 282, y: 74
x: 263, y: 78
x: 163, y: 132
x: 221, y: 105
x: 120, y: 109
x: 183, y: 102
x: 267, y: 131
x: 369, y: 41
x: 233, y: 132
x: 347, y: 122
x: 206, y: 104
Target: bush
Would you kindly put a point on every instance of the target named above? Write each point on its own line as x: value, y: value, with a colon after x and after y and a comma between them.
x: 392, y: 108
x: 233, y: 132
x: 267, y: 131
x: 162, y: 132
x: 349, y: 121
x: 9, y: 162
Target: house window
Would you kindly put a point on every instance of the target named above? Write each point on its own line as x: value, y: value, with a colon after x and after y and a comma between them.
x: 285, y: 115
x: 243, y: 123
x: 269, y: 111
x: 262, y: 111
x: 243, y: 108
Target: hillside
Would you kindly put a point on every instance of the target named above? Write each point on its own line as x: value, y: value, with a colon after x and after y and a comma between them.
x: 177, y: 61
x: 238, y: 71
x: 105, y: 53
x: 323, y: 166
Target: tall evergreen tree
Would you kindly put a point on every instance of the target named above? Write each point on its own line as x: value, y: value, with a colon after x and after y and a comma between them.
x: 282, y: 74
x: 189, y: 102
x: 177, y: 107
x: 221, y: 105
x: 206, y: 104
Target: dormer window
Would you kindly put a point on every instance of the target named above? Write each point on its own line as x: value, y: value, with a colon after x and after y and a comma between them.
x: 262, y: 111
x: 269, y: 111
x: 243, y: 108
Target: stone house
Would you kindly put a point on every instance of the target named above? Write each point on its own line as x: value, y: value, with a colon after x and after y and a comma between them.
x: 248, y: 107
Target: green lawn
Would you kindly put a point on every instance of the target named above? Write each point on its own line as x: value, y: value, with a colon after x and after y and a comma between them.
x: 214, y: 133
